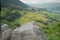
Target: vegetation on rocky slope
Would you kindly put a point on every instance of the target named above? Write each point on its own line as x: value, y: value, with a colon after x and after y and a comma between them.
x: 15, y: 15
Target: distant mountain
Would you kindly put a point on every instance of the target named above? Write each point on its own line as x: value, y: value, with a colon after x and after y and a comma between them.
x: 17, y: 4
x: 55, y: 7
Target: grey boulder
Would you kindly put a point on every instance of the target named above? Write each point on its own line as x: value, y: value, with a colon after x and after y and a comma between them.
x: 5, y: 32
x: 28, y: 31
x: 4, y: 27
x: 6, y: 35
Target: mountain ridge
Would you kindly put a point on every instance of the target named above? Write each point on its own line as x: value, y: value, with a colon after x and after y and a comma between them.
x: 9, y: 3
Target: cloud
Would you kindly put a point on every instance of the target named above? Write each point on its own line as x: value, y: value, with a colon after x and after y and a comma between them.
x: 50, y: 0
x: 30, y: 1
x: 39, y: 1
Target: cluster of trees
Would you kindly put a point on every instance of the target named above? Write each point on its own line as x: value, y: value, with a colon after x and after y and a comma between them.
x: 8, y: 16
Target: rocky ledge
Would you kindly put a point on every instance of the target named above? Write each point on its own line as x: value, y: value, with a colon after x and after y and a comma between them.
x: 27, y: 31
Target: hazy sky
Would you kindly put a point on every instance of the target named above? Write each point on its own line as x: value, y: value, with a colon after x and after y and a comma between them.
x: 39, y: 1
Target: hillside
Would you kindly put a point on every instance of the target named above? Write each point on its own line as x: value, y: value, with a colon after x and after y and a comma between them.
x: 15, y: 13
x: 9, y: 10
x: 12, y: 3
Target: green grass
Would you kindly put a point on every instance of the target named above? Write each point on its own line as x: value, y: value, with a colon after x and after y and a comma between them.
x: 52, y: 31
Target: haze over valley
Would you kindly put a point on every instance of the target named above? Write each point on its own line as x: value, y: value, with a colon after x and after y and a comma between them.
x: 50, y: 6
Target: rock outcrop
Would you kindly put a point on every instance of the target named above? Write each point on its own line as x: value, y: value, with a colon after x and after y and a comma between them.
x: 4, y: 27
x: 5, y: 32
x: 28, y: 31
